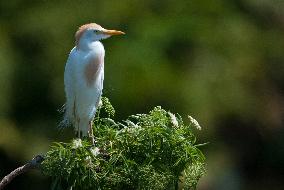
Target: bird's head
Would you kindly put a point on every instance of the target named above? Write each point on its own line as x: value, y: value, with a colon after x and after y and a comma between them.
x: 94, y: 32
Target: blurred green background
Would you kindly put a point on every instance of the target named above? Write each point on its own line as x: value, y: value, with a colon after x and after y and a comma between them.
x: 220, y: 61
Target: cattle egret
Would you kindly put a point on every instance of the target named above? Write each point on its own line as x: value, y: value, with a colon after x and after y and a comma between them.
x: 83, y: 77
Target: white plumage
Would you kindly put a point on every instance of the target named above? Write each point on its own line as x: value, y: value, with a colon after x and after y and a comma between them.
x: 83, y: 77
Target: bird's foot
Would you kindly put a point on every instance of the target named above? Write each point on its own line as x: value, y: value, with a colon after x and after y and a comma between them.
x: 91, y: 134
x: 93, y: 141
x: 78, y: 134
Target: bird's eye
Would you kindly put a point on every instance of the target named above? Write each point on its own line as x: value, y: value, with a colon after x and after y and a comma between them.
x: 96, y: 31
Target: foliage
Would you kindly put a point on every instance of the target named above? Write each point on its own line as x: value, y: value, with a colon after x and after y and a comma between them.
x: 146, y: 151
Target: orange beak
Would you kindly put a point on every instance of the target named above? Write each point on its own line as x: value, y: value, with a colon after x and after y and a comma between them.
x: 112, y: 32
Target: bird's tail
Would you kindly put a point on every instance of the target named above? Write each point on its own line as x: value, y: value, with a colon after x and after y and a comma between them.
x: 80, y: 124
x: 65, y: 122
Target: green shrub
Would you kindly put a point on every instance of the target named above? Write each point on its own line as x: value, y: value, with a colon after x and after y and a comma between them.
x: 146, y: 151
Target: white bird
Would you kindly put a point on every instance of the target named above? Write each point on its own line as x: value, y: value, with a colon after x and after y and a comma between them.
x: 83, y: 77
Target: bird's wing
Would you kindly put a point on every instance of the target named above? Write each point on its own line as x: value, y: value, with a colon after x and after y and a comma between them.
x: 92, y: 69
x: 102, y: 80
x: 69, y: 87
x: 101, y: 86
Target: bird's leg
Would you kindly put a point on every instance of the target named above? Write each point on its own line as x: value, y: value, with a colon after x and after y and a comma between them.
x: 78, y: 134
x: 91, y: 134
x: 78, y: 129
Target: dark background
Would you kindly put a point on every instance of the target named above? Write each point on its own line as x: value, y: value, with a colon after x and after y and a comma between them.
x: 220, y: 61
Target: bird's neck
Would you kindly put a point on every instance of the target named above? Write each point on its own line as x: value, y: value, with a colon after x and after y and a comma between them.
x: 90, y: 46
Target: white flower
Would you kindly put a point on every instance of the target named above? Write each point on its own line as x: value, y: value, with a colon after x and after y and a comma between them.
x: 173, y: 119
x: 95, y: 151
x: 132, y: 124
x: 77, y: 143
x: 130, y: 129
x: 194, y: 122
x: 88, y: 161
x: 100, y: 103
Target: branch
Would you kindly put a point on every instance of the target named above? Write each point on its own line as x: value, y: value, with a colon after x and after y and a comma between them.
x: 32, y: 164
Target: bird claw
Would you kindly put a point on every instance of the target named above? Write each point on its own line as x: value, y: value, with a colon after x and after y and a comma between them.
x: 93, y: 141
x: 91, y: 134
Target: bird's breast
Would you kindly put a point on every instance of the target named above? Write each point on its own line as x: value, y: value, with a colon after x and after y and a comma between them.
x: 92, y: 69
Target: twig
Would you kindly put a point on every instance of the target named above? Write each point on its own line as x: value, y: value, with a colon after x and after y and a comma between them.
x: 32, y: 164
